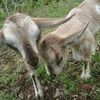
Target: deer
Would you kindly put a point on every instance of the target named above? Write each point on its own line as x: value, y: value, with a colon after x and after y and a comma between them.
x: 21, y: 33
x: 78, y: 34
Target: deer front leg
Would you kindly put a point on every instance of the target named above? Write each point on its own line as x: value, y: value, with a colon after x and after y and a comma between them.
x: 86, y: 58
x: 76, y: 52
x: 86, y: 70
x: 37, y: 85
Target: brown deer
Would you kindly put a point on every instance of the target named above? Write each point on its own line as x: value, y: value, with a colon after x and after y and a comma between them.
x: 22, y: 33
x: 78, y: 33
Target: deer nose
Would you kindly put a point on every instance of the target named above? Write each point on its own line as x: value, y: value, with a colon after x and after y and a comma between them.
x: 34, y: 65
x: 54, y: 75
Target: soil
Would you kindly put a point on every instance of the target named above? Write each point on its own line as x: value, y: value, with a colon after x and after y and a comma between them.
x: 53, y: 90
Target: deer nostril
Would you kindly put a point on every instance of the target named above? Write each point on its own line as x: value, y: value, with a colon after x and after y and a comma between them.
x: 33, y: 64
x: 54, y: 75
x: 30, y: 63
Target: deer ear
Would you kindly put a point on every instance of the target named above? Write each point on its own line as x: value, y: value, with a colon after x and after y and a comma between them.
x: 2, y: 38
x: 50, y: 22
x: 74, y: 38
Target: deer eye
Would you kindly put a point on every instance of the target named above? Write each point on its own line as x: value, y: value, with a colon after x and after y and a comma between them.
x: 59, y: 60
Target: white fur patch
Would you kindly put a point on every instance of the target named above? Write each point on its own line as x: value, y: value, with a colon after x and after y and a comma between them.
x: 16, y: 33
x: 85, y: 76
x: 9, y: 36
x: 12, y: 39
x: 36, y: 85
x: 33, y: 32
x: 47, y: 70
x: 98, y: 9
x: 85, y: 73
x: 32, y: 28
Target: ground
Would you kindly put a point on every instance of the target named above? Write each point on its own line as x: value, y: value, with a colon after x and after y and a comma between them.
x: 15, y: 83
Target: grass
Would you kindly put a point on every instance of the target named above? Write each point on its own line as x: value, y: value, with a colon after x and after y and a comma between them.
x: 12, y: 69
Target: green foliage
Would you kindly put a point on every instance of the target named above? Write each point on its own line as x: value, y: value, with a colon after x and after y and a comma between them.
x: 69, y: 83
x: 96, y: 57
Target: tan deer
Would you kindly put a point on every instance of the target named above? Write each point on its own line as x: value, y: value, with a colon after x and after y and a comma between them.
x: 22, y: 33
x: 78, y: 33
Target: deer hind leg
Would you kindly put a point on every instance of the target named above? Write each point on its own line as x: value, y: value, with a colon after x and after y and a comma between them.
x: 88, y: 46
x: 86, y: 69
x: 36, y: 84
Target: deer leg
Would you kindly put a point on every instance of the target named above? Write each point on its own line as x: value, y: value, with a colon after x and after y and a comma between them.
x: 47, y: 70
x: 86, y: 58
x: 86, y: 70
x: 88, y: 46
x: 76, y: 52
x: 37, y: 85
